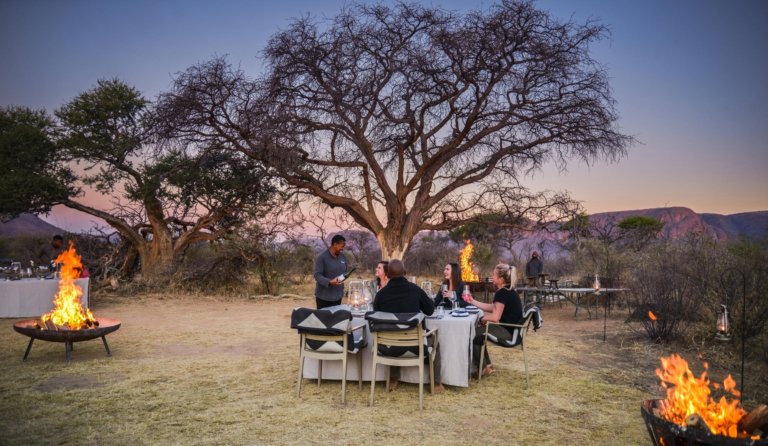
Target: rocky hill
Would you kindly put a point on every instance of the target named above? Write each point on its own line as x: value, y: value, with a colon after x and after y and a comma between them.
x: 678, y: 222
x: 27, y: 224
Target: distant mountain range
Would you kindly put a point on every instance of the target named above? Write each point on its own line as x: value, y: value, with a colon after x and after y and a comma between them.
x: 678, y: 222
x: 28, y: 224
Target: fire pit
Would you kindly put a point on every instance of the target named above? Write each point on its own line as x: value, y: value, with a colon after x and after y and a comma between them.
x: 690, y: 416
x: 68, y: 322
x: 33, y: 329
x: 667, y: 433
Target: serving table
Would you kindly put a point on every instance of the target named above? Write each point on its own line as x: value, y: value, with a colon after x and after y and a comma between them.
x: 33, y: 297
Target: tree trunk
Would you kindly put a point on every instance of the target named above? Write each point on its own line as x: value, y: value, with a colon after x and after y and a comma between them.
x: 393, y: 246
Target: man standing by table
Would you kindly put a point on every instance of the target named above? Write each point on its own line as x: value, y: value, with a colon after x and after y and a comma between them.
x: 48, y: 253
x: 332, y: 263
x: 402, y: 296
x: 534, y: 268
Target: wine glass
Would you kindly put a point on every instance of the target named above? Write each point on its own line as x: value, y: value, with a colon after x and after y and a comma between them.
x: 427, y: 287
x: 452, y: 296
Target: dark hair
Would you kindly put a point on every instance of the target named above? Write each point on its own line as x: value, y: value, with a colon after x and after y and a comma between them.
x: 58, y: 237
x: 395, y: 268
x: 338, y: 238
x: 455, y: 275
x: 386, y: 272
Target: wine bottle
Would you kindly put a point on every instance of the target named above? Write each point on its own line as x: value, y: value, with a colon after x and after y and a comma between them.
x: 345, y: 276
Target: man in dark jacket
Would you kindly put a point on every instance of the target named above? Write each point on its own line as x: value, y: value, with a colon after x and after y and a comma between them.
x: 402, y: 296
x: 533, y: 268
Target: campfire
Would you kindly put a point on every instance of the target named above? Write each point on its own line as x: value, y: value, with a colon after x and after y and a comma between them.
x: 690, y: 415
x: 467, y: 267
x: 68, y: 322
x: 68, y: 313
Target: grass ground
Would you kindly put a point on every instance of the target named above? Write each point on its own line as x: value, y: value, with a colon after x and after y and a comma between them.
x: 208, y: 370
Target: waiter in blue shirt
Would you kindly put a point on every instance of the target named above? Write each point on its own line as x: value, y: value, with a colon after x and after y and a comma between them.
x: 329, y: 266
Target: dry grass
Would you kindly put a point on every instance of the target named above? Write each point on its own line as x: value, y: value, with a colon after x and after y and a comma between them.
x: 217, y: 371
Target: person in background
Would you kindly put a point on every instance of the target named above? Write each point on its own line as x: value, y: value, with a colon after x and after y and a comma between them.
x: 48, y: 253
x: 506, y: 308
x: 533, y: 268
x: 402, y: 296
x: 329, y: 265
x: 452, y: 278
x: 381, y: 275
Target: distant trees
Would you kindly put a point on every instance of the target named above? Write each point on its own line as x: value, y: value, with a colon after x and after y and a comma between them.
x: 411, y: 118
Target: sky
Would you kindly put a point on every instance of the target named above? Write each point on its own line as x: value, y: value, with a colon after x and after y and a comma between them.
x: 690, y: 78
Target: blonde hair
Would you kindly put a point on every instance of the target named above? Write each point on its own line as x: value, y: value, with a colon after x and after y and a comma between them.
x: 506, y: 272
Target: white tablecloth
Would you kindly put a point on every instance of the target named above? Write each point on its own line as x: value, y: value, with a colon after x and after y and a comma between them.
x: 33, y: 297
x: 455, y: 336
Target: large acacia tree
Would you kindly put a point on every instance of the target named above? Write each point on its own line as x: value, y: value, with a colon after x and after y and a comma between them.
x: 162, y: 195
x: 411, y: 118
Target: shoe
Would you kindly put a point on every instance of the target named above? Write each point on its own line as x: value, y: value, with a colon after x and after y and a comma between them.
x: 393, y: 385
x: 439, y: 389
x: 488, y: 371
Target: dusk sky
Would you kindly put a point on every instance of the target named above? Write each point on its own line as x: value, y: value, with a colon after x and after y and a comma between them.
x: 690, y: 79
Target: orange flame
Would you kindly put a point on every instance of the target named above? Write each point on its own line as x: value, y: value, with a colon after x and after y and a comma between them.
x: 652, y: 316
x: 688, y: 394
x: 467, y: 273
x: 67, y: 310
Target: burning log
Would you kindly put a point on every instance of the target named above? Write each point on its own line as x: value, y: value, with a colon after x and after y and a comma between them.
x: 695, y: 421
x: 755, y: 420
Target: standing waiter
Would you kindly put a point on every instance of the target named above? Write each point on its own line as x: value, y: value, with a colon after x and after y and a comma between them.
x: 329, y: 265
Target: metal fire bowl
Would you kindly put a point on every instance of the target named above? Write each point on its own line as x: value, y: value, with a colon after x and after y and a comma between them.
x: 675, y: 435
x: 27, y: 328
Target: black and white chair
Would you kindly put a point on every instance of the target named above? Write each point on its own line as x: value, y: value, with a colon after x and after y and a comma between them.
x: 327, y: 335
x: 531, y: 316
x: 399, y: 339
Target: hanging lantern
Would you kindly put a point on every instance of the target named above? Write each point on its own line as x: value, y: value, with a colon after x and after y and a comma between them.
x: 723, y: 325
x: 596, y: 283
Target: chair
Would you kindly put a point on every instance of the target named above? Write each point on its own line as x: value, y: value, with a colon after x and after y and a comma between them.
x: 399, y: 339
x: 327, y: 335
x: 530, y: 316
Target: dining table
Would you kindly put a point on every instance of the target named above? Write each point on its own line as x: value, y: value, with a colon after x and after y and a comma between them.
x: 455, y: 336
x: 33, y: 297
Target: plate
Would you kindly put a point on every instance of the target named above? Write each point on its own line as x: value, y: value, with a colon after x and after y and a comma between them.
x: 473, y: 311
x: 471, y: 307
x: 456, y: 314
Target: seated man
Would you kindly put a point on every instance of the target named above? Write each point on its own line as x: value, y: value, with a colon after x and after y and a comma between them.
x: 402, y: 296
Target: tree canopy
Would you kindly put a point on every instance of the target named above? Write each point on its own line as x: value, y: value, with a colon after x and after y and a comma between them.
x: 164, y: 194
x: 34, y: 175
x: 408, y: 117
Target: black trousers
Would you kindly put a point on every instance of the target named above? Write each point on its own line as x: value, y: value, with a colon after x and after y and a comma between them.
x: 326, y: 303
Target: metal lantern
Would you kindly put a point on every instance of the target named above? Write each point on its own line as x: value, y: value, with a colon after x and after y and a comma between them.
x: 596, y: 283
x: 723, y: 325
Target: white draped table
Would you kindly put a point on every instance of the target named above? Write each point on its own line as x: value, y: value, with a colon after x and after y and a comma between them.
x: 33, y: 297
x: 455, y: 337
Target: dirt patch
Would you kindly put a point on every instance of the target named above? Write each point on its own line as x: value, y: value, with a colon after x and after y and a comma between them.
x: 75, y: 382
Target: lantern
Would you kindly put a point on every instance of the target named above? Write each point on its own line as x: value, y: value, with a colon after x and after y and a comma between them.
x: 723, y: 325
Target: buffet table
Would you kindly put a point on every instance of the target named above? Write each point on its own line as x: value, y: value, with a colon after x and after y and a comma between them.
x: 33, y: 297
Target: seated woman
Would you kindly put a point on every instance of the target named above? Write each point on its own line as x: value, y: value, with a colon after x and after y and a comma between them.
x: 506, y: 308
x: 452, y: 274
x: 381, y: 275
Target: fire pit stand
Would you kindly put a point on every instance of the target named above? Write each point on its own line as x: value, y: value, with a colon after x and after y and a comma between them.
x: 68, y: 337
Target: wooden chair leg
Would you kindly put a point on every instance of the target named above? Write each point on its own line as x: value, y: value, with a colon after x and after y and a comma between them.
x: 373, y: 379
x: 319, y: 371
x: 431, y: 374
x: 389, y: 370
x: 421, y: 386
x: 480, y: 366
x: 344, y: 380
x: 301, y: 375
